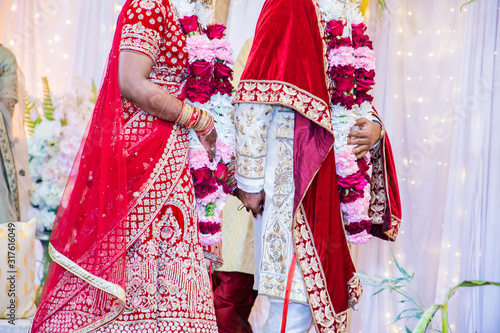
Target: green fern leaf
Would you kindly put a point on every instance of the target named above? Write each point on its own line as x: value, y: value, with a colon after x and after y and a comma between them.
x: 48, y: 106
x: 29, y: 123
x: 95, y: 92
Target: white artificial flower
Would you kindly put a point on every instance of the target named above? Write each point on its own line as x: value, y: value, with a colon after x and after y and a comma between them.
x: 332, y: 10
x: 221, y: 103
x: 184, y: 7
x: 354, y: 14
x: 54, y: 198
x: 47, y: 219
x: 48, y: 131
x: 205, y: 14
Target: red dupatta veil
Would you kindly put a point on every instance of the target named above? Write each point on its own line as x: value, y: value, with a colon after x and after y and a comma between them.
x: 286, y: 66
x: 85, y: 286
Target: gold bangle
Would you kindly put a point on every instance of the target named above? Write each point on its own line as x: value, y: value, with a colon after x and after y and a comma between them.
x: 205, y: 124
x: 186, y: 115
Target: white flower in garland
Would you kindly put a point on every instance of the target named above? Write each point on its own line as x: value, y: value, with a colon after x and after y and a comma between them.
x: 184, y: 7
x: 209, y: 92
x: 355, y: 15
x: 351, y: 65
x: 332, y: 10
x: 205, y: 14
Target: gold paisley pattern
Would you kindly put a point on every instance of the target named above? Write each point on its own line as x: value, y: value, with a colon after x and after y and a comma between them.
x: 278, y: 247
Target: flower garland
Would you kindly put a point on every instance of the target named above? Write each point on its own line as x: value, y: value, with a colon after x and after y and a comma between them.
x: 351, y: 72
x: 208, y: 88
x: 55, y: 134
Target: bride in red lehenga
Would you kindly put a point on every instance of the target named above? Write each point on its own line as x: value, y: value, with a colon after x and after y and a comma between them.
x: 125, y: 245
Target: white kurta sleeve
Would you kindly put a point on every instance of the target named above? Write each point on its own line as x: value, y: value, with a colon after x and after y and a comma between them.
x: 252, y: 124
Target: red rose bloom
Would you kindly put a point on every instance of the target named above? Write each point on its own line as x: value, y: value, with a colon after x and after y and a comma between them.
x: 201, y: 69
x: 348, y: 196
x: 200, y: 175
x: 342, y: 71
x: 362, y: 73
x: 335, y: 28
x: 205, y: 188
x: 209, y: 228
x: 357, y: 227
x: 215, y: 31
x: 362, y: 40
x: 344, y: 83
x: 221, y: 171
x: 355, y: 181
x: 364, y: 85
x: 339, y: 97
x: 189, y: 23
x: 362, y: 97
x: 198, y: 90
x: 338, y: 42
x: 222, y: 71
x: 358, y: 29
x: 222, y: 86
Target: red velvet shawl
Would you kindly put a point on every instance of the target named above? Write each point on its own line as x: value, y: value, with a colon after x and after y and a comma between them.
x: 286, y: 66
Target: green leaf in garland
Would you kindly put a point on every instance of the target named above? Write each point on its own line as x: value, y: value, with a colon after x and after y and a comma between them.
x: 48, y: 107
x: 210, y: 208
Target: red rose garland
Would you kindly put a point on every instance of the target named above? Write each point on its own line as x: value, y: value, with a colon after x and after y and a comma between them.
x: 351, y: 73
x: 209, y: 88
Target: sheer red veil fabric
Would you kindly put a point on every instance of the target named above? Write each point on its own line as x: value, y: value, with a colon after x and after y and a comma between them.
x: 89, y: 239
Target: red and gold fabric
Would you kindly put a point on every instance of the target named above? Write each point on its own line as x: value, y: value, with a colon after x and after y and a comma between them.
x: 287, y: 67
x: 125, y: 245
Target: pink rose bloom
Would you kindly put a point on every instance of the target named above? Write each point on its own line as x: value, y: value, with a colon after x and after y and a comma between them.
x: 222, y: 50
x: 198, y: 47
x: 198, y: 158
x: 360, y: 238
x: 209, y: 198
x: 357, y: 209
x: 346, y: 163
x: 364, y: 58
x: 207, y: 239
x: 224, y: 152
x: 341, y: 56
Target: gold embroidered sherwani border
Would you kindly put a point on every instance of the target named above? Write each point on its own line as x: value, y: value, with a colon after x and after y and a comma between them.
x: 285, y: 94
x: 380, y: 200
x: 320, y: 304
x: 10, y: 167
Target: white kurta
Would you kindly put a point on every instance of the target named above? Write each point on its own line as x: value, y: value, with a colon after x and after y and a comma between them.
x: 264, y: 152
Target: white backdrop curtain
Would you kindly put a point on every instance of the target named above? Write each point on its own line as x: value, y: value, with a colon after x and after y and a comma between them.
x: 59, y: 39
x: 437, y: 88
x: 438, y: 92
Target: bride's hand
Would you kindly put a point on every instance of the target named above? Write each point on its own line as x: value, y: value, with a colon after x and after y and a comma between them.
x: 208, y: 142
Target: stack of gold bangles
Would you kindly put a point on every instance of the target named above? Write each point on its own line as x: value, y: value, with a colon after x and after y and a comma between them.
x: 199, y: 120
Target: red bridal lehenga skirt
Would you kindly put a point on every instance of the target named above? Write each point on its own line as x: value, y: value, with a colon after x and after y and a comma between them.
x: 168, y: 288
